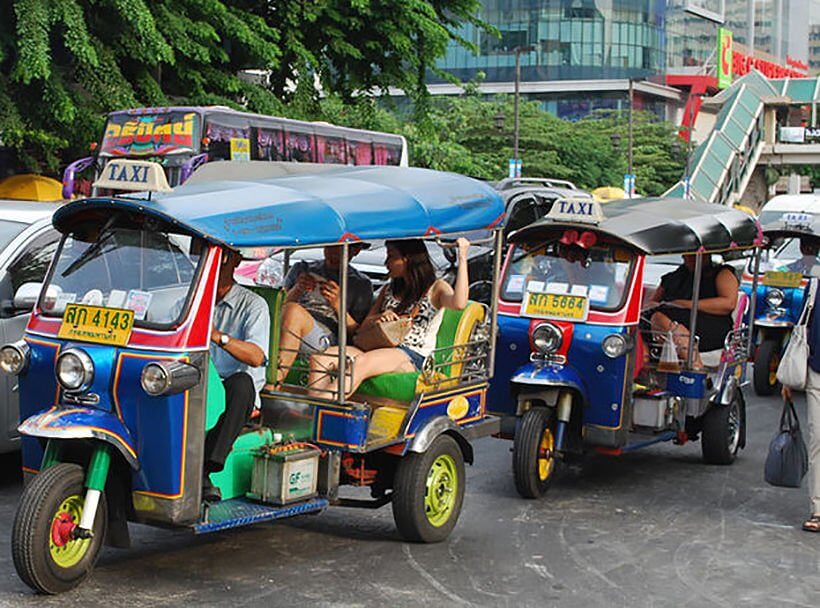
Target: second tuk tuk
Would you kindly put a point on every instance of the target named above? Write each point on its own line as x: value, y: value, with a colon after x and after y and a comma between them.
x: 788, y: 261
x: 117, y: 387
x: 579, y: 367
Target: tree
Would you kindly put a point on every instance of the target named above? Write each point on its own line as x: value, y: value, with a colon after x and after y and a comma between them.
x: 65, y: 63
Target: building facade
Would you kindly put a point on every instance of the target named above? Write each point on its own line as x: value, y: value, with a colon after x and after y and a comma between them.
x: 577, y: 56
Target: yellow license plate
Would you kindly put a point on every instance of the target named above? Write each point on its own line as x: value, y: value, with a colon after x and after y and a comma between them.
x: 774, y: 278
x: 554, y: 306
x: 97, y: 324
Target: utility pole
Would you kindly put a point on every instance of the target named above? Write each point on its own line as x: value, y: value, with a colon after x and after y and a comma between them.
x: 518, y: 50
x: 629, y: 167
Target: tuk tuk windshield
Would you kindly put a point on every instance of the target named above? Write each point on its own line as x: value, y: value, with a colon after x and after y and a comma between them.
x: 599, y: 273
x: 788, y: 255
x: 143, y: 268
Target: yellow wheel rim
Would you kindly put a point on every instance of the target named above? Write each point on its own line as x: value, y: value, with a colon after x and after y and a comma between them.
x: 546, y: 460
x: 441, y: 490
x: 773, y: 365
x: 65, y: 551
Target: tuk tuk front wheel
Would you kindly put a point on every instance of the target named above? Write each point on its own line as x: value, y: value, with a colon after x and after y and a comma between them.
x: 534, y: 463
x: 722, y: 431
x: 47, y: 557
x: 428, y: 491
x: 765, y: 370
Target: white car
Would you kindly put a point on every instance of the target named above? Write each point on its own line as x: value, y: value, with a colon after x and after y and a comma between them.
x: 27, y: 244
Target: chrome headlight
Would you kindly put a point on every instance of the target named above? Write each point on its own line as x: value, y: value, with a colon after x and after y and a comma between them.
x: 168, y: 377
x: 14, y: 357
x: 774, y: 298
x: 547, y: 338
x: 75, y: 370
x: 615, y: 345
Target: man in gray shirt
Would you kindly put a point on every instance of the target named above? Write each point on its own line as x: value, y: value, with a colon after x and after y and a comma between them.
x: 310, y: 316
x: 240, y: 340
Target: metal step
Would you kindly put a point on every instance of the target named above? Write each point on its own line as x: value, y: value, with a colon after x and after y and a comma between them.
x: 241, y: 512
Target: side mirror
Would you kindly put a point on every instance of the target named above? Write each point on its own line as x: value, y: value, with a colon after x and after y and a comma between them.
x: 26, y: 296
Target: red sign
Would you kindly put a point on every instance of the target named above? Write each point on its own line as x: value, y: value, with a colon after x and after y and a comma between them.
x: 796, y: 63
x: 743, y: 64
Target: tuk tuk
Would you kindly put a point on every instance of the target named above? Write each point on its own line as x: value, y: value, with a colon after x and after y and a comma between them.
x: 117, y: 386
x: 788, y: 261
x: 579, y: 367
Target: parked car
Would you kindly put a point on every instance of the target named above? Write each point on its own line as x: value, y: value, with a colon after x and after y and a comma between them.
x: 27, y: 244
x: 528, y: 199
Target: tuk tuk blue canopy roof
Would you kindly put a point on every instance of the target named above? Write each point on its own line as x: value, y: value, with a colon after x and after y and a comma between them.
x: 301, y: 206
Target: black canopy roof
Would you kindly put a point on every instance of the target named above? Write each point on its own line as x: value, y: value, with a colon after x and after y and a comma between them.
x: 657, y: 226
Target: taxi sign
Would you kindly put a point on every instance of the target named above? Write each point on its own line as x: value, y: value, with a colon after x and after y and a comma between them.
x: 133, y: 175
x: 560, y: 306
x: 797, y: 220
x: 111, y: 326
x: 583, y: 210
x: 774, y: 278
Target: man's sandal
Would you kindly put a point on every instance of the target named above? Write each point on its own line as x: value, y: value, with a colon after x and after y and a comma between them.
x: 812, y: 524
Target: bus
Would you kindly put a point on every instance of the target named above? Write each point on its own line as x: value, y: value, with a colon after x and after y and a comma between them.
x: 183, y: 138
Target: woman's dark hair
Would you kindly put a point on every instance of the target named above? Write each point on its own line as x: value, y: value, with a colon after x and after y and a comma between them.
x: 420, y: 272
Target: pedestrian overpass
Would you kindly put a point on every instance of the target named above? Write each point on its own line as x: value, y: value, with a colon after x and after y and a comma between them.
x: 742, y: 131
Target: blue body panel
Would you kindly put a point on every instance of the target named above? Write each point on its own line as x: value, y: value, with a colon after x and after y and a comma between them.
x: 687, y: 384
x: 340, y: 427
x: 781, y: 319
x: 314, y: 209
x: 152, y: 427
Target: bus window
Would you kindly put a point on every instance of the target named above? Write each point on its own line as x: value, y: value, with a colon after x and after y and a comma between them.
x: 219, y: 141
x: 359, y: 152
x: 331, y: 150
x: 300, y: 147
x: 393, y: 154
x: 270, y: 144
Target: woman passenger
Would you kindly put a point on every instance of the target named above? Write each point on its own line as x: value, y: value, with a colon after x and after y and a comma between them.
x: 413, y: 289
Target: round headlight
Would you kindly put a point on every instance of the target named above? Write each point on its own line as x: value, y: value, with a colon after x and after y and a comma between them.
x: 75, y: 370
x: 774, y: 298
x: 547, y: 338
x: 155, y: 379
x: 14, y: 357
x: 614, y: 345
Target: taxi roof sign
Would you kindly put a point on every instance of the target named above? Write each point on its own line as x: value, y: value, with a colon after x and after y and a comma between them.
x: 579, y: 210
x: 797, y: 220
x: 133, y: 175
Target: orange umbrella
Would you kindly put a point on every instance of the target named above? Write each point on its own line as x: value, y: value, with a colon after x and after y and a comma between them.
x: 30, y: 187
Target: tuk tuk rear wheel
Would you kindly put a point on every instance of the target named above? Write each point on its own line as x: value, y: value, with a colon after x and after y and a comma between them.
x: 46, y: 556
x: 534, y: 462
x: 723, y: 431
x: 765, y: 370
x: 428, y: 491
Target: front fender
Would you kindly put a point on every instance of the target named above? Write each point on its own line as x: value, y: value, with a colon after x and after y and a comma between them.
x: 539, y: 375
x: 438, y: 426
x: 82, y: 423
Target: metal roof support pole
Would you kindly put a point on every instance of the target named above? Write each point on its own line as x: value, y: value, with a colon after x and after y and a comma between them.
x: 753, y: 303
x: 342, y: 383
x: 498, y: 250
x: 629, y: 140
x: 693, y: 314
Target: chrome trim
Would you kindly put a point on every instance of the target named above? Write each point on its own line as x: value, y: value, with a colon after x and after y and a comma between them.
x: 88, y: 370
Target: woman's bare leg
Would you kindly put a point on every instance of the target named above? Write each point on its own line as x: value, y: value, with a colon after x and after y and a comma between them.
x: 296, y: 324
x: 365, y: 365
x: 680, y: 335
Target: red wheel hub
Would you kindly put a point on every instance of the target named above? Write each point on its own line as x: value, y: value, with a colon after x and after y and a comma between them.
x: 62, y: 529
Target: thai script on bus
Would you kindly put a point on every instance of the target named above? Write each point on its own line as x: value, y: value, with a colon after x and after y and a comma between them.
x: 150, y: 134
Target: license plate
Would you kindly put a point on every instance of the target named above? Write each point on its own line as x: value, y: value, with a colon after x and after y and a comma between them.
x: 554, y: 306
x: 97, y: 324
x: 782, y: 279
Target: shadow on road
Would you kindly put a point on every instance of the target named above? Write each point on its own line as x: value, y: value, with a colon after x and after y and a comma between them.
x: 10, y: 472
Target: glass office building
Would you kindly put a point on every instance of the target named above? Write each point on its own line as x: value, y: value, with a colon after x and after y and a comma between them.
x: 578, y: 55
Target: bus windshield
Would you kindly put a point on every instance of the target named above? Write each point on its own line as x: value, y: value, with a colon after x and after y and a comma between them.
x: 123, y: 264
x: 150, y: 134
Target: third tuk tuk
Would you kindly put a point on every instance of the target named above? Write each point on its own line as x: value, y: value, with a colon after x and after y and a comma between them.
x: 578, y: 364
x: 787, y: 262
x: 118, y: 387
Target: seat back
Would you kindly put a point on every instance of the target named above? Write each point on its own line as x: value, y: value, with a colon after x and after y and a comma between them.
x: 275, y: 298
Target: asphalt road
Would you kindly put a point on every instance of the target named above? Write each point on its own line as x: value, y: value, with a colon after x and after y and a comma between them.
x: 653, y: 528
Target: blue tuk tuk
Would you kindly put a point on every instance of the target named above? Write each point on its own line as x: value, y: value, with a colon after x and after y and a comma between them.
x: 117, y: 389
x: 580, y: 368
x: 788, y: 261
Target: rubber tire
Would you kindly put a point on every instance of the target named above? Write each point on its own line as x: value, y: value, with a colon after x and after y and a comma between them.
x: 714, y: 447
x: 32, y: 527
x: 409, y: 486
x: 525, y: 452
x: 767, y: 350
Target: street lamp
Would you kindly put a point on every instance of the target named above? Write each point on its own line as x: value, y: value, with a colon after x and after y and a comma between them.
x: 518, y: 50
